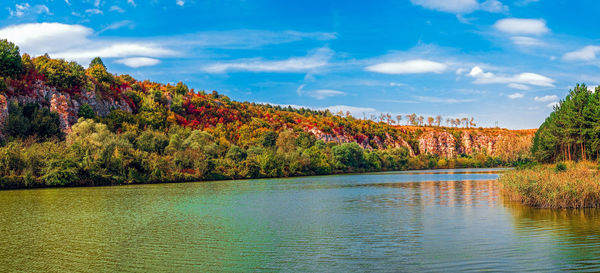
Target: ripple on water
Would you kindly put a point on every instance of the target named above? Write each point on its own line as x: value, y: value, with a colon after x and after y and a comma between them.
x: 432, y: 221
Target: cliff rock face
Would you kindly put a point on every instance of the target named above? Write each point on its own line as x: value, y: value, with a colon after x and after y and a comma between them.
x: 59, y: 105
x: 441, y: 143
x: 502, y: 143
x: 62, y: 103
x: 388, y: 142
x: 3, y: 111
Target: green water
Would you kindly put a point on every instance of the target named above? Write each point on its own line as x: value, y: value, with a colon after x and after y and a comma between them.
x: 397, y: 221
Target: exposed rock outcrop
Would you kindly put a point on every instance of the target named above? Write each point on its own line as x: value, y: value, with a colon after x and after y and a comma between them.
x: 62, y: 103
x: 441, y: 143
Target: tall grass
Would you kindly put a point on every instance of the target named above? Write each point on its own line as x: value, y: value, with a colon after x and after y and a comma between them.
x: 564, y: 185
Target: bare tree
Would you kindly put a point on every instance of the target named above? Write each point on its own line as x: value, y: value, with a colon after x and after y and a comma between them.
x: 438, y: 120
x: 412, y: 118
x: 421, y: 118
x: 399, y: 118
x: 430, y: 121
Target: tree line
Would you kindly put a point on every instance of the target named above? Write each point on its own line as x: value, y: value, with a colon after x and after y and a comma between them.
x: 572, y: 131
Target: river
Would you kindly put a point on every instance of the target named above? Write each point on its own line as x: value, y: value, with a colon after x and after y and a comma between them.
x: 443, y: 220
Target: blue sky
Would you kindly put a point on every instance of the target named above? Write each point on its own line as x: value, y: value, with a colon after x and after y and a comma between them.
x: 501, y: 62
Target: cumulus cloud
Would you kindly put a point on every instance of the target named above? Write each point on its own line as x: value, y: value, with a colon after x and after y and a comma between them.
x: 180, y: 3
x: 461, y: 6
x: 552, y: 104
x: 319, y: 58
x: 81, y: 44
x: 73, y: 42
x: 138, y: 61
x: 522, y: 79
x: 521, y: 26
x: 40, y: 38
x: 587, y: 53
x: 546, y: 98
x: 408, y: 67
x: 515, y: 96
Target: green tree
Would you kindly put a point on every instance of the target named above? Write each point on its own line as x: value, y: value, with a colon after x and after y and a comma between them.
x: 97, y: 61
x: 86, y: 111
x: 10, y: 59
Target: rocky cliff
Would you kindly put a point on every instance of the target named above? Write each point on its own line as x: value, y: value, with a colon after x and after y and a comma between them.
x: 65, y: 105
x: 440, y: 141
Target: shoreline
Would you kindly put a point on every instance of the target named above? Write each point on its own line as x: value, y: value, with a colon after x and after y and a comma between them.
x: 556, y: 186
x: 242, y: 179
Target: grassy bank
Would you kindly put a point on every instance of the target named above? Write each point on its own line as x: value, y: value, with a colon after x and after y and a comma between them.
x: 562, y: 185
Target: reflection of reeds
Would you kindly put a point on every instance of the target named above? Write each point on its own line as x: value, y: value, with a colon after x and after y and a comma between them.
x: 577, y: 187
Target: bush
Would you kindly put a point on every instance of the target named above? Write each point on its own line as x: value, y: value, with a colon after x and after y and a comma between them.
x: 560, y: 167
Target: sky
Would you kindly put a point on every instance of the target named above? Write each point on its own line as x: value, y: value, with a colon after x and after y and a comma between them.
x: 505, y: 63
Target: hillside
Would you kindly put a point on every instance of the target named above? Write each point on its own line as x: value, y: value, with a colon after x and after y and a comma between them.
x: 167, y: 122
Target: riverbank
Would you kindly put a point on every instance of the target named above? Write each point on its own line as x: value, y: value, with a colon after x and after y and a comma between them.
x: 561, y: 185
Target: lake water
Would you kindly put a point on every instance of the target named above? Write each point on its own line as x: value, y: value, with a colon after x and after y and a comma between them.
x: 445, y: 220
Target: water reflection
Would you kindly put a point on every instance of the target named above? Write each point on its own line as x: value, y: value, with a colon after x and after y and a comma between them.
x: 570, y: 237
x: 446, y: 220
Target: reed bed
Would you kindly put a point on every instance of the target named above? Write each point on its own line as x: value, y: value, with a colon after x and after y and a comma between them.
x: 562, y: 185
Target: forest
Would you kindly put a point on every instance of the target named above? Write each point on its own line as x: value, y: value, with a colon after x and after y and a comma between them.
x: 572, y: 131
x: 66, y: 125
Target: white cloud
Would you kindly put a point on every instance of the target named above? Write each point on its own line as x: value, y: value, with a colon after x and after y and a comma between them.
x: 519, y: 86
x: 116, y: 50
x: 493, y: 6
x: 442, y: 100
x: 527, y: 78
x: 118, y: 25
x: 180, y: 3
x: 138, y: 62
x: 25, y: 9
x: 354, y: 111
x: 515, y: 96
x: 452, y: 6
x: 587, y: 53
x: 461, y: 6
x: 552, y: 104
x: 117, y: 9
x: 93, y: 11
x: 295, y: 64
x: 39, y: 38
x: 526, y: 41
x: 521, y: 26
x: 408, y: 67
x: 324, y: 93
x: 131, y: 2
x: 396, y: 84
x: 72, y: 42
x: 546, y: 98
